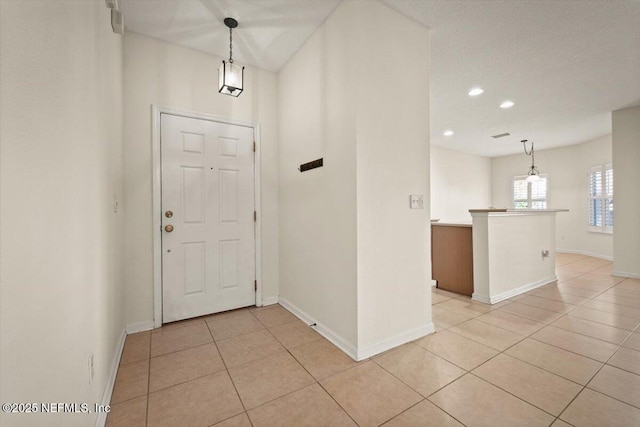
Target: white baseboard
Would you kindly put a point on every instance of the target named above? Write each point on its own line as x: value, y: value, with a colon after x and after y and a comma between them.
x: 481, y: 298
x: 336, y: 339
x: 591, y: 254
x: 131, y: 328
x: 348, y: 348
x: 625, y: 274
x: 388, y: 344
x: 270, y: 300
x: 434, y: 283
x: 513, y: 292
x: 145, y: 325
x: 101, y: 420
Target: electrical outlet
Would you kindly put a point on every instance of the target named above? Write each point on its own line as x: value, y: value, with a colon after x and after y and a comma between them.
x: 91, y: 368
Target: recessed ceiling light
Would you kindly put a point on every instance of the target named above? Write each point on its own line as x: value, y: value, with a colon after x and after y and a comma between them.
x: 447, y: 133
x: 476, y: 91
x: 506, y: 104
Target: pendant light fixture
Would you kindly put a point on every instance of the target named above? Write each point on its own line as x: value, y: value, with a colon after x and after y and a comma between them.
x: 230, y: 75
x: 533, y: 174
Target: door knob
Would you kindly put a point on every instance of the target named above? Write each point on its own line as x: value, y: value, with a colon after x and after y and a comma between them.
x: 168, y: 214
x: 168, y: 228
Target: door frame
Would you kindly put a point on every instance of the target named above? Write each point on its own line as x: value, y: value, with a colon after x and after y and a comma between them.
x: 156, y: 112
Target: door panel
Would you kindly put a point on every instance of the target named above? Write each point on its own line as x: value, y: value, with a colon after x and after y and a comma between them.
x: 208, y: 259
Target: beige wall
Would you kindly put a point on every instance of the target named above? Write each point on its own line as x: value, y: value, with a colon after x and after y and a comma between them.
x: 626, y: 171
x: 61, y: 165
x: 499, y: 236
x: 392, y: 162
x: 459, y: 182
x: 318, y: 207
x: 162, y: 74
x: 567, y: 168
x: 353, y: 257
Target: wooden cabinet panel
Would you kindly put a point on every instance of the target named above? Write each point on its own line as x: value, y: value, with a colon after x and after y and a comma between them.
x: 452, y: 258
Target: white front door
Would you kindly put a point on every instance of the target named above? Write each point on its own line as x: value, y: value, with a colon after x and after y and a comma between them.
x: 208, y: 241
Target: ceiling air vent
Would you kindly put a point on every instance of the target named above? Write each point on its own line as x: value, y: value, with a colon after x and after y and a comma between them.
x: 501, y: 135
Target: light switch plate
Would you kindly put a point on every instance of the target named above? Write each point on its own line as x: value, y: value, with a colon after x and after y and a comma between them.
x: 416, y: 201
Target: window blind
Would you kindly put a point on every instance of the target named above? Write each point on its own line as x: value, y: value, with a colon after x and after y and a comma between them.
x: 601, y: 198
x: 530, y: 195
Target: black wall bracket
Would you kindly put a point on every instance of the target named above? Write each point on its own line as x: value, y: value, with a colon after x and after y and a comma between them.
x: 311, y: 165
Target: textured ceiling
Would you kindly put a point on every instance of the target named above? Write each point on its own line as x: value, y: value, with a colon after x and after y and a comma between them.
x: 268, y: 34
x: 565, y: 64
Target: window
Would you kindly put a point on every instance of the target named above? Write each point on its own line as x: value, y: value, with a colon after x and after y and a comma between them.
x: 601, y: 199
x: 529, y: 195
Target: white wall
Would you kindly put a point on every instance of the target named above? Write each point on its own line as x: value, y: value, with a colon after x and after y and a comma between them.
x: 567, y: 168
x: 626, y: 171
x: 500, y: 235
x: 318, y: 207
x: 162, y: 74
x: 61, y: 295
x: 353, y: 257
x: 459, y: 182
x: 394, y: 256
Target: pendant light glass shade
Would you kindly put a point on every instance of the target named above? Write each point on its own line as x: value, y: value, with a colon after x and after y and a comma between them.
x: 533, y: 178
x: 230, y: 78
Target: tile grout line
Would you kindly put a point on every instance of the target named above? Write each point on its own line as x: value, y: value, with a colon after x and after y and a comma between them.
x: 318, y: 382
x: 146, y: 420
x: 589, y: 336
x: 282, y: 350
x: 190, y: 379
x: 202, y: 376
x: 571, y: 351
x: 503, y: 328
x: 510, y: 393
x: 582, y: 305
x: 476, y: 317
x: 182, y: 349
x: 529, y: 336
x: 404, y: 383
x: 230, y: 379
x: 296, y: 390
x: 591, y: 379
x: 239, y: 335
x: 525, y: 337
x: 588, y: 320
x: 338, y: 403
x: 436, y: 391
x: 228, y: 374
x: 530, y: 364
x: 441, y: 408
x: 286, y: 394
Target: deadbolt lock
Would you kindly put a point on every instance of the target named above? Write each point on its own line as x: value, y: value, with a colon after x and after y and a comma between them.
x: 168, y: 214
x: 168, y: 228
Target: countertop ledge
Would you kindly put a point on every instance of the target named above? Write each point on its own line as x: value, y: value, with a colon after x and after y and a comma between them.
x: 517, y: 210
x: 452, y: 224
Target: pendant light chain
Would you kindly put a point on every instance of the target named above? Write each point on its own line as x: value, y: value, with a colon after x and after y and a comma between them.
x: 533, y: 170
x: 230, y: 45
x: 533, y: 158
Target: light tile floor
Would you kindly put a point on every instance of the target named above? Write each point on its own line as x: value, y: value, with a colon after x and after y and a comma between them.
x: 567, y: 353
